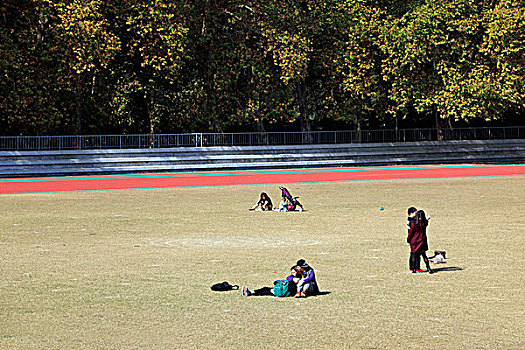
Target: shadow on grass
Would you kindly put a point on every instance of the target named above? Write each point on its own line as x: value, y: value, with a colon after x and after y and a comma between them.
x: 448, y: 268
x: 292, y: 296
x: 291, y: 211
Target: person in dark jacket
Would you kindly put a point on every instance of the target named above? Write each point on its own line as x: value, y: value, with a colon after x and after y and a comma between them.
x: 307, y: 285
x: 411, y: 215
x: 417, y: 238
x: 264, y: 202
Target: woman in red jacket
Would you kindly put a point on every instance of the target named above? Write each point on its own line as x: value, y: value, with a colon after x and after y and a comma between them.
x: 417, y: 238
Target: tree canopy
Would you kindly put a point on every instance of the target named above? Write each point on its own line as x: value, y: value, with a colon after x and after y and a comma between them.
x: 162, y: 66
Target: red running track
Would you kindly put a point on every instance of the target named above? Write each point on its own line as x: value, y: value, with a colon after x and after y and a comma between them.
x: 226, y: 178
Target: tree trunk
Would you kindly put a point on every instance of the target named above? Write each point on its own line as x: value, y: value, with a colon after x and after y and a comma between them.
x: 151, y: 119
x: 358, y: 129
x: 43, y: 21
x: 306, y: 123
x: 151, y: 131
x: 438, y: 126
x: 78, y: 114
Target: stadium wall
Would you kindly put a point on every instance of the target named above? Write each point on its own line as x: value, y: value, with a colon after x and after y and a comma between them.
x: 115, y: 161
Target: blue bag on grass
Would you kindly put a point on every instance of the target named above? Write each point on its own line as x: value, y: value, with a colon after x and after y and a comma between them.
x: 281, y: 288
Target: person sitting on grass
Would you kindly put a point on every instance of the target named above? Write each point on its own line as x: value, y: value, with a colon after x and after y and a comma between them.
x: 265, y: 203
x: 292, y: 280
x: 283, y: 204
x: 307, y: 285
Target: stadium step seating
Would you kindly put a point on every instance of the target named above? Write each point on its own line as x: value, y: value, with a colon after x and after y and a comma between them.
x: 109, y: 161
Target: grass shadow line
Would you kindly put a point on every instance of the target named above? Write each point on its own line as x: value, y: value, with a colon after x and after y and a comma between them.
x: 448, y: 268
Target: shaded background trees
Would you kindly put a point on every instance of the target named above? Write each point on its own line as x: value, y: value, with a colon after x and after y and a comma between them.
x: 107, y: 66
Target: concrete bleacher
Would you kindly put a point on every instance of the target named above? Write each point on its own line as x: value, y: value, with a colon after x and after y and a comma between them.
x: 113, y: 161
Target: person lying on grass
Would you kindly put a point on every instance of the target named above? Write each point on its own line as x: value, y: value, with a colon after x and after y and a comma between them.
x: 292, y: 280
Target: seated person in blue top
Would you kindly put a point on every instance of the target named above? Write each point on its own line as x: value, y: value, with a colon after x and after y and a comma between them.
x: 292, y: 279
x: 265, y: 203
x: 307, y: 285
x: 283, y: 204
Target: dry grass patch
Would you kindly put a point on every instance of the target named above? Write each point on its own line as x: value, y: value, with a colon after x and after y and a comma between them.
x: 132, y: 269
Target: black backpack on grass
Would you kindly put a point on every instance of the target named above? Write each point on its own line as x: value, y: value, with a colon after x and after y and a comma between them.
x: 224, y: 286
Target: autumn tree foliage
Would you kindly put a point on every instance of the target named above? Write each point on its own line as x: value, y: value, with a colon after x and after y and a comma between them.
x: 161, y: 66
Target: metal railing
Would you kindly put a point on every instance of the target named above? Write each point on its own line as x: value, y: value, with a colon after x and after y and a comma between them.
x: 254, y: 139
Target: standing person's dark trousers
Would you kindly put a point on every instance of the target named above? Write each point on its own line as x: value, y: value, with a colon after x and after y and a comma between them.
x: 414, y: 262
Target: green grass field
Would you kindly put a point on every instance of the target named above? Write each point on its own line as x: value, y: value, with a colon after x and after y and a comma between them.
x: 133, y: 269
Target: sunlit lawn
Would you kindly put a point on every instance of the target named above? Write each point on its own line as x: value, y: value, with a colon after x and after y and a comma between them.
x: 132, y: 269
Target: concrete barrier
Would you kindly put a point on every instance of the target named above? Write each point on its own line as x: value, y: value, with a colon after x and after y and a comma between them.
x: 86, y: 162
